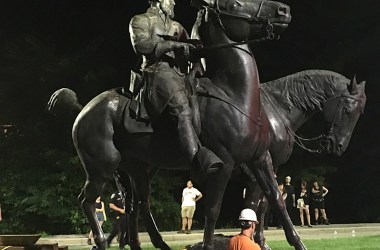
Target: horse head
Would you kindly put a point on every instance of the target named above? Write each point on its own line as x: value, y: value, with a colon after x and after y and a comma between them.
x: 243, y: 19
x: 341, y: 113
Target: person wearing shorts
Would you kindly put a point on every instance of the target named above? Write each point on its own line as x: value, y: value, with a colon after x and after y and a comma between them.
x: 190, y: 196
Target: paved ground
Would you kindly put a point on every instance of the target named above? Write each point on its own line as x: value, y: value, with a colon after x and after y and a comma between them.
x: 316, y: 232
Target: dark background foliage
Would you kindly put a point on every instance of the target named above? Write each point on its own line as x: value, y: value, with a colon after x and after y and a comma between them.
x: 84, y: 45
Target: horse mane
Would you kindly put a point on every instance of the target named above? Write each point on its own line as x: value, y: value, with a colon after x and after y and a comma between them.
x: 306, y: 89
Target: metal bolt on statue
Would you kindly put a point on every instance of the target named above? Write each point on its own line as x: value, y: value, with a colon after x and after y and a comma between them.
x: 213, y: 132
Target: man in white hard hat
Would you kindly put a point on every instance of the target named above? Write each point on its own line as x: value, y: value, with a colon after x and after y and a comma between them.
x: 244, y: 240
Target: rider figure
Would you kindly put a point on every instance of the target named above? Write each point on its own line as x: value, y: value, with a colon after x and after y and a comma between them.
x: 164, y: 66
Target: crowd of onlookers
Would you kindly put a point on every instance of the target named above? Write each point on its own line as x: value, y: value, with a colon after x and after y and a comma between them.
x: 307, y: 202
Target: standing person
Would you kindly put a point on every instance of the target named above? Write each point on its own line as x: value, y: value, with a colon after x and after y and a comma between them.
x: 291, y: 201
x: 317, y: 196
x: 118, y: 219
x: 244, y: 240
x: 284, y: 196
x: 100, y: 214
x: 303, y: 204
x: 190, y: 196
x: 158, y: 39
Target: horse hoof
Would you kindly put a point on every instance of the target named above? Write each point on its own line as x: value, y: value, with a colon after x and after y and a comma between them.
x: 266, y: 247
x: 135, y: 245
x: 300, y: 246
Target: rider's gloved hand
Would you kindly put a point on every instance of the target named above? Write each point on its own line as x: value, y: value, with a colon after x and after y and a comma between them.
x: 167, y: 46
x: 184, y: 48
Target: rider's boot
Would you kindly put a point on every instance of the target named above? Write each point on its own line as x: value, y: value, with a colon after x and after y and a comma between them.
x: 207, y: 160
x: 198, y: 155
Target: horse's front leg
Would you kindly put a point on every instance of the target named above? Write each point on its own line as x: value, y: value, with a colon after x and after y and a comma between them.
x: 263, y: 171
x: 255, y: 199
x: 216, y: 185
x: 141, y: 180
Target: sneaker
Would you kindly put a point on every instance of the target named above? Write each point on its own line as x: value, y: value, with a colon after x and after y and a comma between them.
x: 309, y: 225
x: 188, y: 232
x: 181, y: 231
x: 89, y: 242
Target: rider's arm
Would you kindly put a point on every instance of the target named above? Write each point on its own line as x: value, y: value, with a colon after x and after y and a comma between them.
x: 146, y: 44
x: 139, y: 30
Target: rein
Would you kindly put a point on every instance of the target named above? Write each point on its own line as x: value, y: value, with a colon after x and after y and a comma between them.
x: 298, y: 139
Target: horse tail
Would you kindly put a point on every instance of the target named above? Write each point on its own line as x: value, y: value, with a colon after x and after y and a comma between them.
x: 64, y: 102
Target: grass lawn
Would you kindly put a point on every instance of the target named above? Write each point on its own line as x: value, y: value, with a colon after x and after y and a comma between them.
x: 349, y: 243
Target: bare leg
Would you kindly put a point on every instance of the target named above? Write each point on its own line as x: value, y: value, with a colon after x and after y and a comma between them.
x: 307, y: 211
x: 323, y: 212
x: 301, y: 216
x: 316, y: 214
x: 184, y: 223
x: 189, y: 223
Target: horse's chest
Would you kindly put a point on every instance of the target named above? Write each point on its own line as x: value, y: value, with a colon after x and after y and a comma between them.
x: 252, y: 136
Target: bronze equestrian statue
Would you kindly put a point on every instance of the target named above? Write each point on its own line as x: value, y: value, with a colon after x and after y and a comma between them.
x: 233, y: 124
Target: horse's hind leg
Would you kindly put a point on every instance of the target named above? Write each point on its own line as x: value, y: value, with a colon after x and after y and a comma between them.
x: 99, y: 169
x: 263, y: 171
x: 91, y: 190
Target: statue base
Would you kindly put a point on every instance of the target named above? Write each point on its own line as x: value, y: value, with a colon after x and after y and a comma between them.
x: 220, y: 243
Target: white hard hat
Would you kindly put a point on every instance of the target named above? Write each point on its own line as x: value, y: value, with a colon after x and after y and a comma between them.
x: 248, y: 215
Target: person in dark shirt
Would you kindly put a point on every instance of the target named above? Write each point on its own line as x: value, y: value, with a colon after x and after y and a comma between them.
x: 118, y: 220
x: 318, y: 193
x: 290, y: 202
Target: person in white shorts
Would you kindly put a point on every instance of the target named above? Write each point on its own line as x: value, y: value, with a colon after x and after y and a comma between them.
x: 189, y: 196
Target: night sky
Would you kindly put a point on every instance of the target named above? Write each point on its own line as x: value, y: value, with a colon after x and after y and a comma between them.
x: 84, y: 45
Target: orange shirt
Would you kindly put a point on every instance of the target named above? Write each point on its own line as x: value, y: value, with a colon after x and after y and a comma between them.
x: 242, y: 242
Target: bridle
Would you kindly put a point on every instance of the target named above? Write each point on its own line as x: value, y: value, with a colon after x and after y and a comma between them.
x: 323, y: 137
x: 334, y: 123
x: 256, y: 19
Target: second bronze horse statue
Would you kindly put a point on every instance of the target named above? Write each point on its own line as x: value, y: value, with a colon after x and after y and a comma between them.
x: 290, y: 102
